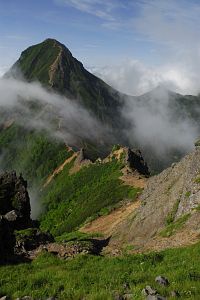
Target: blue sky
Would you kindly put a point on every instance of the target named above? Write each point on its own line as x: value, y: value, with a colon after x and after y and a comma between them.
x: 149, y: 40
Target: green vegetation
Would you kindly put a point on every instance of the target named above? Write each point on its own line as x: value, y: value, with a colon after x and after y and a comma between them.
x: 97, y: 277
x: 197, y: 180
x: 171, y: 216
x: 187, y: 194
x: 116, y: 147
x: 36, y: 61
x: 70, y: 200
x: 172, y: 228
x: 30, y: 152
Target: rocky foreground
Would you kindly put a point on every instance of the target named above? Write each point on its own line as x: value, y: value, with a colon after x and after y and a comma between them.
x: 169, y: 214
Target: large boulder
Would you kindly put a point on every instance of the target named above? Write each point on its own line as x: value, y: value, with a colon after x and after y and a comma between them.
x: 14, y: 200
x: 14, y: 211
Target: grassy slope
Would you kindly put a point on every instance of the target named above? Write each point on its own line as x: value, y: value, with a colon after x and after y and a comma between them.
x: 99, y: 277
x: 30, y: 152
x: 70, y: 200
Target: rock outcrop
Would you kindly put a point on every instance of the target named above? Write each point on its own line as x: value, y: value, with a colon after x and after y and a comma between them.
x: 14, y: 200
x: 169, y: 214
x: 131, y: 158
x: 14, y: 211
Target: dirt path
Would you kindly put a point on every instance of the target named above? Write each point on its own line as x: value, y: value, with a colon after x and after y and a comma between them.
x: 59, y: 169
x: 135, y: 181
x: 106, y: 224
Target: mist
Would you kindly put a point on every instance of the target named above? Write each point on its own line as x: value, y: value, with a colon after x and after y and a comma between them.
x: 158, y: 124
x: 63, y: 119
x: 74, y: 118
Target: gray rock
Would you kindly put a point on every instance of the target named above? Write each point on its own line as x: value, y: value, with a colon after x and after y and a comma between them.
x: 126, y: 286
x: 175, y: 294
x: 155, y: 297
x: 162, y: 280
x: 118, y: 297
x: 5, y: 298
x: 128, y: 296
x: 11, y: 216
x: 148, y: 290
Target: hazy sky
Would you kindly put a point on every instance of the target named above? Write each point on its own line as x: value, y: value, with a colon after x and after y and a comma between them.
x: 132, y: 44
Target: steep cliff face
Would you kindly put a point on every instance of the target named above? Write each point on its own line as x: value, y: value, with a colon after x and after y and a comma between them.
x: 14, y: 211
x: 14, y: 197
x: 169, y: 212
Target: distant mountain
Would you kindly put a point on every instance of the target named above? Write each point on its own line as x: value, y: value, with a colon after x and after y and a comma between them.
x: 53, y: 65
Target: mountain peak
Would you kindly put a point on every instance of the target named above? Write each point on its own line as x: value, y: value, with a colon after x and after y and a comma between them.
x: 53, y: 65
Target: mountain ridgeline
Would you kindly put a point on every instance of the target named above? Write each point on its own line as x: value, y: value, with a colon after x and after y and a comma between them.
x: 91, y: 194
x: 51, y: 64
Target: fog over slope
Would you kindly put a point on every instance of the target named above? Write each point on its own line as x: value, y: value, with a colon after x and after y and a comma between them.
x: 16, y: 94
x: 153, y: 123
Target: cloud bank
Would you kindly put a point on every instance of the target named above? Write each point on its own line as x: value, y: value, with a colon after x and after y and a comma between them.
x: 75, y: 122
x: 158, y: 123
x: 135, y: 78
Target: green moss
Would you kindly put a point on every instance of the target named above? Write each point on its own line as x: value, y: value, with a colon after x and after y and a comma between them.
x: 172, y: 228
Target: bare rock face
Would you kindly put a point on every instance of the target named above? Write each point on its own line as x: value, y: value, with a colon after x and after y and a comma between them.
x: 14, y: 200
x: 169, y: 214
x: 7, y: 240
x: 135, y: 161
x: 131, y: 158
x: 14, y: 211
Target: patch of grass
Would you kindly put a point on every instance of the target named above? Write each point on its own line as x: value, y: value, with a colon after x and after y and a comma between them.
x: 187, y: 194
x: 171, y: 216
x: 197, y: 180
x: 70, y: 200
x: 97, y: 277
x: 197, y: 208
x: 29, y: 232
x: 172, y: 228
x: 116, y: 147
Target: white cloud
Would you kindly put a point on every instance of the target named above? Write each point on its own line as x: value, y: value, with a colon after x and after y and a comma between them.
x: 3, y: 69
x: 76, y: 122
x: 134, y: 78
x: 172, y: 28
x: 98, y: 8
x: 155, y: 125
